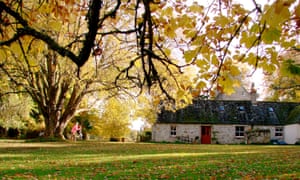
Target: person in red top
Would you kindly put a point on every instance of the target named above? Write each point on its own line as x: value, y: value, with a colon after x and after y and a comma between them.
x: 76, y: 129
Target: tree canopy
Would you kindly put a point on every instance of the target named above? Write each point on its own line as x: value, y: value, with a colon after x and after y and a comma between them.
x: 211, y: 36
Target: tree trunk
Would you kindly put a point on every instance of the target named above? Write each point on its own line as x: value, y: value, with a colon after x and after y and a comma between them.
x: 49, y: 128
x: 59, y: 131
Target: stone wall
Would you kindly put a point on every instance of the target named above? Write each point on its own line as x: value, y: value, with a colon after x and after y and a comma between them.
x: 220, y: 134
x: 258, y: 136
x: 225, y: 134
x: 184, y: 132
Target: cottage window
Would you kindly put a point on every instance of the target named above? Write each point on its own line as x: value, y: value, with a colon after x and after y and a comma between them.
x: 242, y: 109
x: 222, y: 108
x: 197, y: 104
x: 242, y: 114
x: 272, y: 114
x: 279, y: 131
x: 239, y: 131
x: 173, y: 130
x: 271, y: 109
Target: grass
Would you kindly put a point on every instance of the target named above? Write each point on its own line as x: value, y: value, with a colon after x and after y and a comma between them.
x: 98, y: 160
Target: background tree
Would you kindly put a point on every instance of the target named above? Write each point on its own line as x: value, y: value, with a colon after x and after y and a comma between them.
x: 284, y: 83
x: 14, y: 112
x: 115, y: 119
x: 54, y: 84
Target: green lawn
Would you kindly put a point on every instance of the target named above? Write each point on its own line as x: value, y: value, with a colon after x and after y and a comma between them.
x: 98, y: 160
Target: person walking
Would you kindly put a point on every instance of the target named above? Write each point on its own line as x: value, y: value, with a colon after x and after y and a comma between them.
x: 76, y: 130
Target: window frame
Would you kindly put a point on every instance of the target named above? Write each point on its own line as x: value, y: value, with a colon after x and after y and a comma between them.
x: 279, y: 131
x: 239, y: 131
x: 173, y: 130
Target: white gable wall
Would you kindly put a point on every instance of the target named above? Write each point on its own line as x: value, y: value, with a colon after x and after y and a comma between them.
x: 292, y: 133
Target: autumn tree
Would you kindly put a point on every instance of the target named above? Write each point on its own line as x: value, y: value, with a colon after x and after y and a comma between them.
x: 54, y: 84
x: 15, y: 111
x: 115, y: 119
x: 284, y: 83
x: 161, y: 38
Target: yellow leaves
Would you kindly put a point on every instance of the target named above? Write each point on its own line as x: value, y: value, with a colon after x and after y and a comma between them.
x: 267, y: 66
x: 228, y: 83
x: 196, y: 8
x: 270, y: 35
x: 55, y: 25
x: 154, y: 7
x: 3, y: 55
x: 170, y: 31
x: 170, y: 28
x: 167, y: 11
x: 214, y: 60
x: 190, y: 55
x: 200, y: 85
x: 248, y: 39
x: 184, y: 95
x: 297, y: 93
x: 167, y: 52
x: 201, y: 63
x: 288, y: 43
x: 46, y: 8
x: 273, y: 56
x: 186, y: 21
x: 222, y: 21
x: 234, y: 71
x: 251, y: 59
x: 277, y: 13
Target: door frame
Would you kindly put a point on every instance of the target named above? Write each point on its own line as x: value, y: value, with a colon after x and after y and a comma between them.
x: 205, y: 134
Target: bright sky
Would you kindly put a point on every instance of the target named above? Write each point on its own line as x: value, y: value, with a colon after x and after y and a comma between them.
x: 136, y: 125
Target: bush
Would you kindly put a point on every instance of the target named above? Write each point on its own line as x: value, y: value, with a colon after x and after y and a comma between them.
x: 13, y: 133
x: 32, y: 134
x: 114, y: 139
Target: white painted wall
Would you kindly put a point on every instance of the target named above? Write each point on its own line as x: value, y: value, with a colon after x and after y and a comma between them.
x: 292, y: 133
x: 162, y: 132
x: 222, y: 134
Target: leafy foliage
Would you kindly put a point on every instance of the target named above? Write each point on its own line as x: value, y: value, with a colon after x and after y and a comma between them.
x: 285, y: 81
x: 15, y: 112
x: 294, y: 116
x: 115, y: 120
x: 213, y: 37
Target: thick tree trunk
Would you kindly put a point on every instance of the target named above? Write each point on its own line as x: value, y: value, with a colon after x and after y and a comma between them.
x: 59, y: 131
x: 49, y: 128
x: 55, y: 132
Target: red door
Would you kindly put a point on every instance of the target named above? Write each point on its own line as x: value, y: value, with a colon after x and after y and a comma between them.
x: 205, y: 135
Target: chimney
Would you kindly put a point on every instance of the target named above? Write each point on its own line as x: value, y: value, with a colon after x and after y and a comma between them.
x: 253, y: 94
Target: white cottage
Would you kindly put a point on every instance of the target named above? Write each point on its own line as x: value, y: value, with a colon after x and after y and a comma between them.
x: 227, y: 122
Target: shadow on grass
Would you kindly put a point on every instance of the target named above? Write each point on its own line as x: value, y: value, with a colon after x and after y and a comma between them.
x: 95, y: 160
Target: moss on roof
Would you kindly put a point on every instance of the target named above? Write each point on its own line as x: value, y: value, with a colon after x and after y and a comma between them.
x: 231, y: 112
x: 294, y: 116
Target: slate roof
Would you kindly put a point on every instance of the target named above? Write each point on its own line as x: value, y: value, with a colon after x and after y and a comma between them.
x: 230, y: 112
